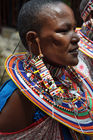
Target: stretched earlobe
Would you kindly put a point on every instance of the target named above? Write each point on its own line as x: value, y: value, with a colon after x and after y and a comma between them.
x: 38, y: 44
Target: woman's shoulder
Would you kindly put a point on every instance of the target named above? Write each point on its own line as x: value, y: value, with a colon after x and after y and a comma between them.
x: 17, y: 112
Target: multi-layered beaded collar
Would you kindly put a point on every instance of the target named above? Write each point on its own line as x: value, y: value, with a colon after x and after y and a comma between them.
x: 61, y: 84
x: 59, y: 92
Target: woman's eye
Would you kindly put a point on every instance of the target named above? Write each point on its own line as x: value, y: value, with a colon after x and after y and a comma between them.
x: 65, y: 30
x: 62, y: 31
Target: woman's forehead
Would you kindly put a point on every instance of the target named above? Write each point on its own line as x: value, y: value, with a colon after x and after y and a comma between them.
x: 59, y: 13
x: 55, y: 8
x: 59, y: 10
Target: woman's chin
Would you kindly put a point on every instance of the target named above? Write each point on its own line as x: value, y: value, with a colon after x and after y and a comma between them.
x: 74, y: 63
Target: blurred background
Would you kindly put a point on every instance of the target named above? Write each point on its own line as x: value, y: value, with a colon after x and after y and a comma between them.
x: 9, y: 37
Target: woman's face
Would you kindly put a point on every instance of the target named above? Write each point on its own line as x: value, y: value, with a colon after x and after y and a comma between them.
x: 58, y: 40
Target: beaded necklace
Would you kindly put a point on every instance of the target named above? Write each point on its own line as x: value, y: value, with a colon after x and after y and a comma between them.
x: 71, y: 90
x: 87, y: 10
x: 87, y: 30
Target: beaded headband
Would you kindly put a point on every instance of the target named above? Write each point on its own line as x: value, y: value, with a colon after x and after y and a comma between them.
x: 87, y: 10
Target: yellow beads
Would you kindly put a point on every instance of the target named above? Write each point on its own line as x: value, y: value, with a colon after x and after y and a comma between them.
x: 36, y: 71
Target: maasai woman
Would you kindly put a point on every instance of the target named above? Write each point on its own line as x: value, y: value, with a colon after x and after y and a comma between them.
x: 45, y: 77
x: 86, y: 39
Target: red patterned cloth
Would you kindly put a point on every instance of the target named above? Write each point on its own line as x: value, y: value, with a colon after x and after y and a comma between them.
x: 46, y: 129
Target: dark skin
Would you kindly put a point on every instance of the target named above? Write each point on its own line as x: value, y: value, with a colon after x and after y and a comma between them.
x: 53, y: 39
x: 17, y: 113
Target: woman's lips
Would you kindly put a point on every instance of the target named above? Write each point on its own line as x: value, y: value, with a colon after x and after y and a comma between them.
x: 74, y: 51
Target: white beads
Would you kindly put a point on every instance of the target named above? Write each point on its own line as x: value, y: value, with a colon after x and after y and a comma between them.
x: 28, y: 74
x: 41, y: 96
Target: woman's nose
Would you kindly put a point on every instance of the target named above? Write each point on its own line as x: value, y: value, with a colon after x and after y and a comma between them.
x: 75, y: 38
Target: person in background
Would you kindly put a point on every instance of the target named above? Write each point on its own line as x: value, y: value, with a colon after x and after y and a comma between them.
x: 86, y: 39
x: 46, y: 98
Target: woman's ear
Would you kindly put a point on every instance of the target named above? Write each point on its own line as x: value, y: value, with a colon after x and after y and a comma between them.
x: 30, y: 37
x: 32, y: 42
